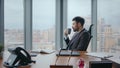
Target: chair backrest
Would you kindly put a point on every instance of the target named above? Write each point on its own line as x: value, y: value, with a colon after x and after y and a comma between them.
x: 90, y: 28
x: 89, y: 31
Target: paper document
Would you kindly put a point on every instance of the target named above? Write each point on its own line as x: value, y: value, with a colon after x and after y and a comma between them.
x: 44, y: 51
x: 100, y: 55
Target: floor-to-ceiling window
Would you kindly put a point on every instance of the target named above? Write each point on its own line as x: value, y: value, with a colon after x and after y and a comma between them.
x: 13, y: 22
x: 79, y: 8
x: 108, y: 32
x: 43, y: 24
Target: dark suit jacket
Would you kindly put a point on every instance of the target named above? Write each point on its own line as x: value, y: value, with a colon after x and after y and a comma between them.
x: 79, y: 41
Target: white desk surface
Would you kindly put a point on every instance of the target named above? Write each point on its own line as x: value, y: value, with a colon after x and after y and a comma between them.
x: 115, y: 57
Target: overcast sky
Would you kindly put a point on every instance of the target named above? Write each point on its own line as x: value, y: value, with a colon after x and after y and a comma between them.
x: 44, y: 12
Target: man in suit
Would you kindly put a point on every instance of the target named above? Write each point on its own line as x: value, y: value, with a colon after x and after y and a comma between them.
x: 80, y: 38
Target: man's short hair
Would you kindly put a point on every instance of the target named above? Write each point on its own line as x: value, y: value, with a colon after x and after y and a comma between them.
x: 79, y: 19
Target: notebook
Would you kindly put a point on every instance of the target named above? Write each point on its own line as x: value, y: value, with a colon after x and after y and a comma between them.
x: 68, y: 53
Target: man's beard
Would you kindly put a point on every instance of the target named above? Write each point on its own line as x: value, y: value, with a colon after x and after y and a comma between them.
x: 75, y: 30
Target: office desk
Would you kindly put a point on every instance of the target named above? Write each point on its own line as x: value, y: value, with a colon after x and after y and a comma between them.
x: 45, y: 60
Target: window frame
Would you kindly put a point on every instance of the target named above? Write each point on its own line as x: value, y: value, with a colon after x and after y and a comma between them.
x: 2, y: 22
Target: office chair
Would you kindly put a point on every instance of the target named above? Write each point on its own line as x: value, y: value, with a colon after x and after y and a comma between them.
x: 89, y: 31
x: 90, y: 37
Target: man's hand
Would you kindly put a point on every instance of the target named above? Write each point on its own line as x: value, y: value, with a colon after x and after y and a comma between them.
x: 66, y: 32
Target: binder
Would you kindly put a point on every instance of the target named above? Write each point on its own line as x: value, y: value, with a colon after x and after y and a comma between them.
x: 100, y: 64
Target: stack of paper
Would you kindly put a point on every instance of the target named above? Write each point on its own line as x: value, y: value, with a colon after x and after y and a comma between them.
x: 44, y: 51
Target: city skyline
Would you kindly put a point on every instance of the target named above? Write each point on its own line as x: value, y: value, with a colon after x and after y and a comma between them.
x: 106, y: 36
